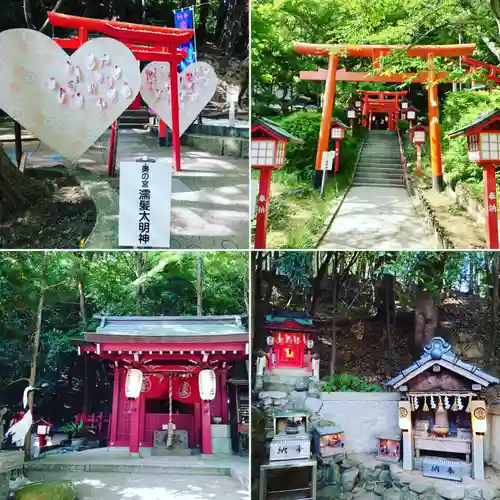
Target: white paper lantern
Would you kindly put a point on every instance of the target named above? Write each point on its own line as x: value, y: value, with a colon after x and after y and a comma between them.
x: 310, y: 344
x: 133, y: 383
x: 207, y: 383
x: 270, y: 340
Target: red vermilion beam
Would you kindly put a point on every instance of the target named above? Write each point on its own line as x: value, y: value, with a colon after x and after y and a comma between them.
x: 313, y: 49
x: 126, y: 31
x: 354, y: 76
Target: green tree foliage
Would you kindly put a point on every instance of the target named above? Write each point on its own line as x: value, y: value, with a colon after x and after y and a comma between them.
x: 276, y: 24
x: 114, y: 283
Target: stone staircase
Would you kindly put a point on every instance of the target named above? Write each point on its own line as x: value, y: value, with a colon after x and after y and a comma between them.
x: 380, y: 163
x: 134, y: 118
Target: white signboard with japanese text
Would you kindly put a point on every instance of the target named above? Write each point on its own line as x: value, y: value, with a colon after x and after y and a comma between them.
x: 145, y: 203
x: 254, y: 191
x: 327, y: 160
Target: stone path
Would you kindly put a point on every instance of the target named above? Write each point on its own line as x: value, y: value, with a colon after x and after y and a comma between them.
x: 136, y: 486
x: 210, y: 196
x: 378, y: 218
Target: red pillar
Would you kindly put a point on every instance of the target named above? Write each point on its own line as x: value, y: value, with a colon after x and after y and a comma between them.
x: 197, y: 425
x: 114, y: 408
x: 328, y: 105
x: 113, y: 140
x: 223, y: 391
x: 206, y: 428
x: 419, y: 159
x: 262, y: 208
x: 176, y: 138
x: 434, y: 130
x: 337, y: 155
x: 490, y: 205
x: 162, y: 133
x: 135, y: 425
x: 370, y: 121
x: 365, y: 112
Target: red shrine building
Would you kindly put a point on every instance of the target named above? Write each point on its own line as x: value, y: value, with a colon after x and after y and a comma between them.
x: 171, y: 352
x: 290, y: 340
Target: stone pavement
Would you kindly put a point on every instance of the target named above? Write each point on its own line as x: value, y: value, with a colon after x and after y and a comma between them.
x: 112, y: 473
x: 210, y: 196
x: 135, y: 486
x: 378, y: 218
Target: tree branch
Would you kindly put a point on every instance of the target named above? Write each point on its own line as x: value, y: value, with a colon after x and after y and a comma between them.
x: 57, y: 6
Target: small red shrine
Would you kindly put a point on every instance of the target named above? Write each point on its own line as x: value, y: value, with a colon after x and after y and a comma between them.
x: 290, y: 339
x: 170, y: 352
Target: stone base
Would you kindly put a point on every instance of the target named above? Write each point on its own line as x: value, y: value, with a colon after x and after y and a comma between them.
x: 363, y: 477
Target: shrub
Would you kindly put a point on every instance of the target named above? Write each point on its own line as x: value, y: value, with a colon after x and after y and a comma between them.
x: 301, y: 158
x: 347, y: 383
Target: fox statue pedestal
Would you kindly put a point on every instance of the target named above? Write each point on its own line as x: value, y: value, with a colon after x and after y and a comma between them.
x: 179, y: 443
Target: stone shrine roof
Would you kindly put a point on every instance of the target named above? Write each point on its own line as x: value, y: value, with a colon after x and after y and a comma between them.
x: 439, y: 352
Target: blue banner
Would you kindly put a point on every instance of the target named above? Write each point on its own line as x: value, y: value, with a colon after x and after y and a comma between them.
x: 184, y: 19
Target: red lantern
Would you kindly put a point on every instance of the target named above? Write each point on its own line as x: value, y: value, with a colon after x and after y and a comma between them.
x: 338, y: 133
x: 483, y: 141
x: 268, y: 152
x: 418, y: 135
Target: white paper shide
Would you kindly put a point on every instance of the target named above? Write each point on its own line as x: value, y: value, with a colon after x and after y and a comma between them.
x: 145, y: 204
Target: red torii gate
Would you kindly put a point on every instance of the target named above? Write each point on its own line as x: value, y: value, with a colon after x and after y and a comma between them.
x: 381, y: 101
x: 147, y: 43
x: 332, y: 75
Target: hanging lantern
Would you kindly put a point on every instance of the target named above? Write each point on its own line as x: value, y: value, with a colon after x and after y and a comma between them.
x: 478, y: 416
x: 133, y: 383
x: 310, y: 344
x: 207, y: 384
x: 270, y: 340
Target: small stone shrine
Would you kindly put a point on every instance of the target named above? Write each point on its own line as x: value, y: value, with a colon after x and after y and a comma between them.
x: 441, y: 414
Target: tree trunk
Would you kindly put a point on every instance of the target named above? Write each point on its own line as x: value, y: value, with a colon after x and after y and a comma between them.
x: 221, y: 16
x: 495, y: 270
x: 333, y: 350
x: 201, y: 30
x: 390, y: 309
x: 83, y: 321
x: 140, y: 262
x: 199, y: 285
x: 35, y: 348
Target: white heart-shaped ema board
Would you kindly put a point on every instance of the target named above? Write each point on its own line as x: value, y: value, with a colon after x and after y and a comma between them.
x: 64, y: 100
x: 197, y: 85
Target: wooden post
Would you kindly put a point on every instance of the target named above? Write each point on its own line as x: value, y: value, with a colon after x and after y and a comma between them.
x: 176, y: 138
x: 326, y: 116
x: 337, y: 154
x: 18, y: 143
x: 490, y: 205
x: 114, y: 408
x: 478, y: 456
x: 197, y: 425
x: 419, y: 159
x: 262, y: 208
x: 206, y: 428
x: 370, y: 121
x: 434, y: 129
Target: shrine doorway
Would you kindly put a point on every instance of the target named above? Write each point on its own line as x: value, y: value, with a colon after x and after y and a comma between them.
x: 380, y: 121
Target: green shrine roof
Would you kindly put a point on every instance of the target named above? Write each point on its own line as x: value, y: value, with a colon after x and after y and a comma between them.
x: 482, y: 118
x: 277, y: 130
x: 170, y: 326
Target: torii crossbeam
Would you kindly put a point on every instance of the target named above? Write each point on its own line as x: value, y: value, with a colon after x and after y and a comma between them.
x: 375, y: 52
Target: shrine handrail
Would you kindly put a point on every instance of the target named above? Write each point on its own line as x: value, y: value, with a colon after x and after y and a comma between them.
x: 402, y: 157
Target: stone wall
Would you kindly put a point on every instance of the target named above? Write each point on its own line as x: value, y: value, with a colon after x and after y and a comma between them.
x: 492, y: 437
x: 363, y: 415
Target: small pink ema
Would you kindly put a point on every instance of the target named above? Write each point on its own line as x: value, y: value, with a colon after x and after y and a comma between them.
x: 105, y: 59
x: 91, y: 62
x: 78, y: 98
x: 61, y: 95
x: 110, y: 82
x: 98, y: 77
x: 118, y: 72
x: 112, y: 95
x: 126, y: 90
x: 69, y: 67
x: 91, y: 89
x: 78, y: 73
x: 101, y: 104
x: 158, y: 94
x: 71, y: 88
x: 51, y: 83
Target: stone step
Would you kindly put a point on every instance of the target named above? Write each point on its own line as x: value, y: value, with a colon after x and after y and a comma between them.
x: 375, y: 177
x: 378, y: 184
x: 366, y: 181
x: 380, y: 165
